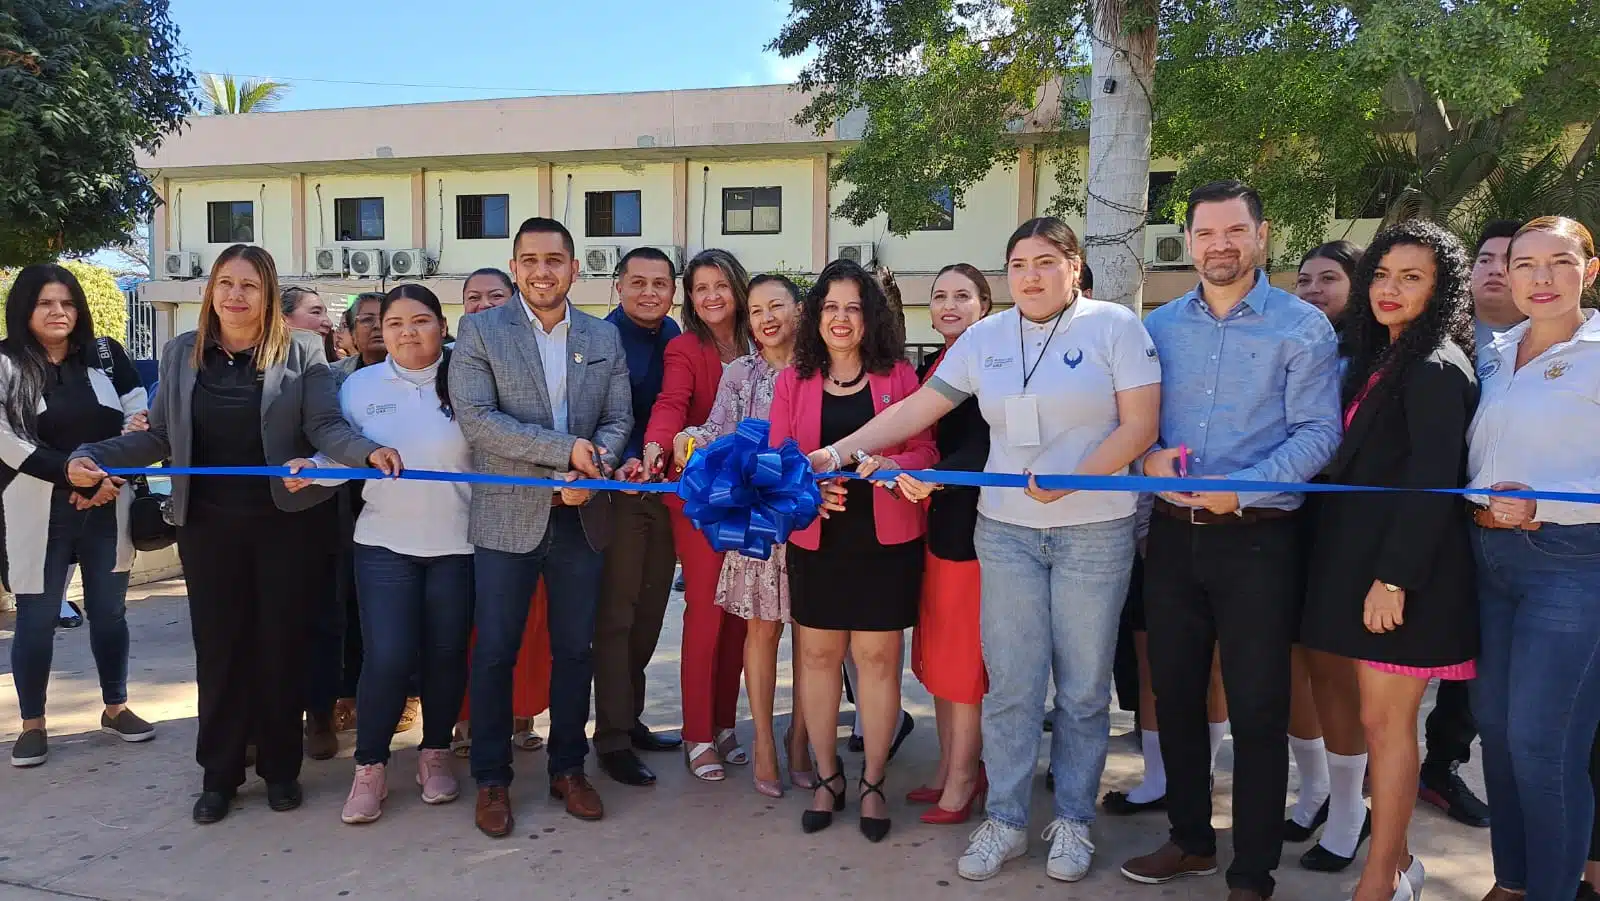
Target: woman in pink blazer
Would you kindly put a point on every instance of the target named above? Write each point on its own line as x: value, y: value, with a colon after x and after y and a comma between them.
x: 855, y: 578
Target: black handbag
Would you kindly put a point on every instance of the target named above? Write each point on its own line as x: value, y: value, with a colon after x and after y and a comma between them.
x: 150, y: 525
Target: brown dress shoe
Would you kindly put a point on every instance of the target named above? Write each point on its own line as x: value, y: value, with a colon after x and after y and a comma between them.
x: 1169, y: 862
x: 582, y: 800
x: 344, y: 715
x: 1503, y: 894
x: 409, y: 716
x: 493, y: 816
x: 322, y: 743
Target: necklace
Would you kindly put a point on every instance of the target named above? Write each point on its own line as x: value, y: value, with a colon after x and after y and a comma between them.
x: 853, y: 382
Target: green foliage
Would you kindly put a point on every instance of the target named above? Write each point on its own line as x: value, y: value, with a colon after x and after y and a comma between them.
x: 222, y: 95
x: 107, y: 305
x: 83, y: 84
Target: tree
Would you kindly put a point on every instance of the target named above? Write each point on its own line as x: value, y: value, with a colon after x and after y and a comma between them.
x: 107, y: 304
x: 83, y: 85
x: 221, y: 95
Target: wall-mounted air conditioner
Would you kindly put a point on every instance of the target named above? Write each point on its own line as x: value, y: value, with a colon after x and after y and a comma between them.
x: 601, y: 259
x: 366, y: 262
x: 1164, y: 247
x: 862, y: 253
x: 181, y: 264
x: 673, y: 252
x: 413, y: 262
x: 330, y: 260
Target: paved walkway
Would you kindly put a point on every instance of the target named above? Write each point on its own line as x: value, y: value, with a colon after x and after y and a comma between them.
x: 105, y: 820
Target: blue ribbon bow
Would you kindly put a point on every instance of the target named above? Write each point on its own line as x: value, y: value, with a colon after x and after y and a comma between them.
x: 745, y: 496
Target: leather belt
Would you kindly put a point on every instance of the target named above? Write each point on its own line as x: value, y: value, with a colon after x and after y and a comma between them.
x: 1201, y: 517
x: 1483, y: 518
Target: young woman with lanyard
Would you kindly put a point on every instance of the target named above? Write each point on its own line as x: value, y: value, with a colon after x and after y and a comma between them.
x: 1537, y: 697
x: 1055, y: 563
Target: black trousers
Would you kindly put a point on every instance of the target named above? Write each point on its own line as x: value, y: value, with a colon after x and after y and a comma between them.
x: 249, y: 609
x: 1236, y: 585
x: 634, y: 588
x: 1450, y: 727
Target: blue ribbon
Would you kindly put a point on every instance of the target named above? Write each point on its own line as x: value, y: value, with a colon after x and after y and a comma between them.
x: 745, y: 496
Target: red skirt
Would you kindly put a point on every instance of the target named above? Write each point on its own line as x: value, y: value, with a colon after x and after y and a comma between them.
x: 946, y: 647
x: 531, y: 680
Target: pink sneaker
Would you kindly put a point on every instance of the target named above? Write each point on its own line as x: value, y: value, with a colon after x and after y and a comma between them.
x: 438, y: 783
x: 365, y: 803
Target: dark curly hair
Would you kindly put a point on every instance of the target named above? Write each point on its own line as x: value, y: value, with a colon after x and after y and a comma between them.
x: 880, y: 348
x: 1447, y: 316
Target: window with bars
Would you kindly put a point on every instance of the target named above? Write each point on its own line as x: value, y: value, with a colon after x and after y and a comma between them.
x: 752, y: 211
x: 358, y: 218
x: 231, y: 222
x: 939, y: 216
x: 612, y: 214
x: 483, y: 216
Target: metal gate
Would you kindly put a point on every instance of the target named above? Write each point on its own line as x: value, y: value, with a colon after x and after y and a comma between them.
x: 141, y: 326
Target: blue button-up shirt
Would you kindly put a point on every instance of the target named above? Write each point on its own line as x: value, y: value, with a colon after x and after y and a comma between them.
x: 645, y: 349
x: 1254, y: 394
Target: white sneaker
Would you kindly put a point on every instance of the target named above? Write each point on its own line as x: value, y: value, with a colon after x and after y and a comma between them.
x: 992, y: 845
x: 1070, y: 850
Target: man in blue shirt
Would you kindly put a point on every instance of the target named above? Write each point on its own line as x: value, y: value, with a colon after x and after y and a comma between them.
x: 1249, y: 390
x: 641, y: 557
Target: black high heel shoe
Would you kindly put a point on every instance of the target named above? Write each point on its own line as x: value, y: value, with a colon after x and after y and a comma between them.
x: 818, y: 820
x: 874, y: 828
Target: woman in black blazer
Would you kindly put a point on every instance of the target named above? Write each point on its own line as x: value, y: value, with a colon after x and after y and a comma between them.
x: 945, y: 651
x: 1391, y: 575
x: 244, y: 390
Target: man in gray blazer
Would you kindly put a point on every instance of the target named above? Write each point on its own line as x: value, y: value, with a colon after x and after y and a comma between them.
x: 540, y: 389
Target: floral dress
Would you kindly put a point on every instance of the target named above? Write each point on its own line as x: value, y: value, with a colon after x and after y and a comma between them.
x: 747, y: 588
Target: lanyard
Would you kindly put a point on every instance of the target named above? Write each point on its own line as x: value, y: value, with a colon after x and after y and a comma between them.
x: 1027, y: 372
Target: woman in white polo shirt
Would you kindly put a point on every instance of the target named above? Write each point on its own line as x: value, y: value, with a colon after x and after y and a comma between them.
x: 1067, y: 385
x: 1537, y: 696
x: 412, y: 557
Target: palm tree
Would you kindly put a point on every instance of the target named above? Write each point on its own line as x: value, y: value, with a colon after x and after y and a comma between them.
x: 1122, y: 71
x: 221, y: 95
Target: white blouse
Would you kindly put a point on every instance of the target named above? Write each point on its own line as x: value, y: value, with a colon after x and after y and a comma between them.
x: 1540, y: 425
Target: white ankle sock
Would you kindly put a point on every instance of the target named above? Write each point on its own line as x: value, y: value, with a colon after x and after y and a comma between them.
x: 1154, y: 785
x: 1346, y: 811
x: 1311, y: 759
x: 1219, y: 731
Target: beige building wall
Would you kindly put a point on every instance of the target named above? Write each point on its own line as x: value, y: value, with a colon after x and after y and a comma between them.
x: 653, y: 181
x: 459, y: 256
x: 985, y: 218
x: 322, y: 190
x: 788, y: 250
x: 188, y: 215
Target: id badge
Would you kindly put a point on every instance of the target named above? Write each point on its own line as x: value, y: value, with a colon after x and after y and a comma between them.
x: 1022, y: 420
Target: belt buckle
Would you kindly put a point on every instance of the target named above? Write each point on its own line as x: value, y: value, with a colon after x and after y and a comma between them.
x: 1193, y: 512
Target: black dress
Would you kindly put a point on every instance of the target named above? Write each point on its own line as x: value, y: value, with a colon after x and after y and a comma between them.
x: 851, y: 582
x: 1411, y: 436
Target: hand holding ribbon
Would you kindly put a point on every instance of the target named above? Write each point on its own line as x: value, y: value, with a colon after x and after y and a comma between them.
x: 745, y: 496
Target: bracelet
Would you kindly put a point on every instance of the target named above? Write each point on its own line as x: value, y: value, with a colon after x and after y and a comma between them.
x: 833, y: 454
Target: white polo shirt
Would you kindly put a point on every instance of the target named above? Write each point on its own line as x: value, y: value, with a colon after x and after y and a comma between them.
x: 1540, y: 425
x: 1097, y: 349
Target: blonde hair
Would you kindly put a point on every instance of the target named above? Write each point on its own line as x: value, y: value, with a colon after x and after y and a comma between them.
x: 272, y: 345
x: 1561, y: 227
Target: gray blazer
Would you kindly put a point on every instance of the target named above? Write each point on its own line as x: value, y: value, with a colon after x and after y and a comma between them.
x: 498, y: 389
x: 299, y: 416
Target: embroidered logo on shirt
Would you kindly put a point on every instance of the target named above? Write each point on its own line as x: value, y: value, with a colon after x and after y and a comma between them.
x: 1489, y: 368
x: 1072, y: 358
x: 380, y: 409
x: 1556, y: 370
x: 996, y: 362
x: 1150, y: 352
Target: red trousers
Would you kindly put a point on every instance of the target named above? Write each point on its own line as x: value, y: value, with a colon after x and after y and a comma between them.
x: 713, y: 639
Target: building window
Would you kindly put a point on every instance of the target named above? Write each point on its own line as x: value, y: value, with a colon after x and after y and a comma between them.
x: 483, y: 216
x: 612, y: 214
x: 231, y: 222
x: 940, y: 215
x: 358, y: 218
x: 1159, y: 196
x: 752, y: 211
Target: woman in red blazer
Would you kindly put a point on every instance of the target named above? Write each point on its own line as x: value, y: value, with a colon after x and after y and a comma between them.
x: 716, y: 331
x: 855, y: 578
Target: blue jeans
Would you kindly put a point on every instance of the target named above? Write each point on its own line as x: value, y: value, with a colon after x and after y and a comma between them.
x: 1052, y: 599
x: 92, y: 536
x: 506, y: 582
x: 416, y: 616
x: 1537, y: 698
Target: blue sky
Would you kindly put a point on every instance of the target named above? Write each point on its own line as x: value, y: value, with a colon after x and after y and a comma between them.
x: 504, y: 47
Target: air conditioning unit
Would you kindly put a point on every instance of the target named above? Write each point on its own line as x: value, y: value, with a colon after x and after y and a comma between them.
x: 1164, y: 247
x: 366, y: 262
x: 673, y: 252
x: 862, y: 254
x: 330, y: 260
x: 601, y: 259
x: 412, y: 262
x: 181, y: 264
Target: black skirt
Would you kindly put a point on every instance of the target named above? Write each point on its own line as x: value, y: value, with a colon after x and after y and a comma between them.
x: 869, y: 588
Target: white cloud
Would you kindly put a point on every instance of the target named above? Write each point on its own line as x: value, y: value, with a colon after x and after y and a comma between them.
x: 785, y: 71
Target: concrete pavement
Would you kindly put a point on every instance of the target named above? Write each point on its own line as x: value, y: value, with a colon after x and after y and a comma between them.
x: 107, y: 820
